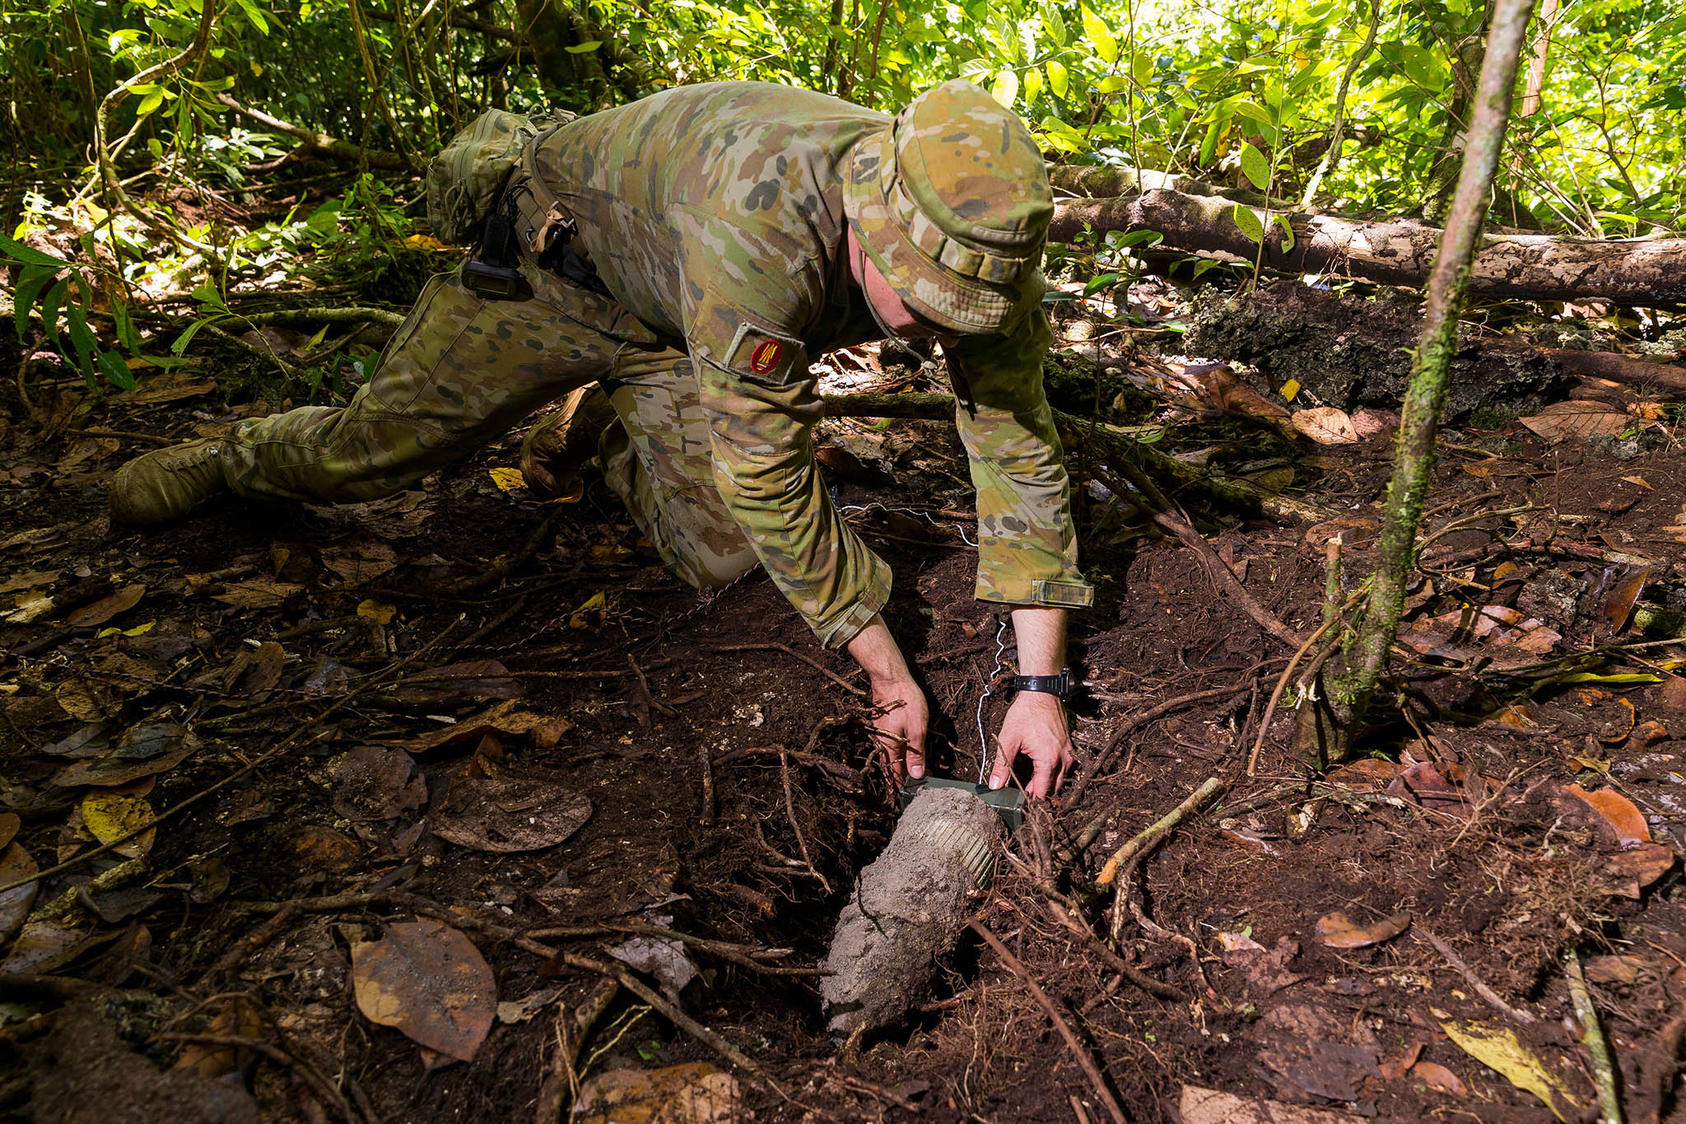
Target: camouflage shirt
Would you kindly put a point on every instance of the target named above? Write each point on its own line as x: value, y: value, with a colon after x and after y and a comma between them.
x: 714, y: 213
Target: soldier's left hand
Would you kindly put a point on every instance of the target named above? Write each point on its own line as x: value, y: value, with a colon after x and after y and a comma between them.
x: 1035, y: 726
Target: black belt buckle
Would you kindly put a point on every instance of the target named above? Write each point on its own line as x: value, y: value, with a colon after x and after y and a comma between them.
x: 495, y: 282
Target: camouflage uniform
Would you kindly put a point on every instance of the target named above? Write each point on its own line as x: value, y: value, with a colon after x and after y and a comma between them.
x: 715, y: 214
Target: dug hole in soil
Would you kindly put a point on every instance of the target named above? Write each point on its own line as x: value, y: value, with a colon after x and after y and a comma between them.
x: 458, y: 713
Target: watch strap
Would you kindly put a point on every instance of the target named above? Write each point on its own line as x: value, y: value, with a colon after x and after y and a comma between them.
x: 1057, y: 685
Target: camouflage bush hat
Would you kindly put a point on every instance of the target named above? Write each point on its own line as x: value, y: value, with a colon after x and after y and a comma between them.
x: 951, y: 202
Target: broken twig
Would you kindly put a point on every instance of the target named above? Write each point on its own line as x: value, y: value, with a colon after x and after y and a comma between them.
x: 1592, y: 1037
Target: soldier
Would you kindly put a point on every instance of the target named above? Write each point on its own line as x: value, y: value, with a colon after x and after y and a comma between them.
x: 680, y: 261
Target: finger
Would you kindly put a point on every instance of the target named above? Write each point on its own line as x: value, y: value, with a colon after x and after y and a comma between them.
x: 1005, y: 752
x: 893, y: 751
x: 1041, y: 778
x: 916, y: 758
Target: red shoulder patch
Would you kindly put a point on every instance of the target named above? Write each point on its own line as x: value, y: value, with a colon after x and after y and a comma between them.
x: 765, y: 356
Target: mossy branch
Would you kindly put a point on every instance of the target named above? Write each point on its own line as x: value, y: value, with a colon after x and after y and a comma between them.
x: 1425, y: 395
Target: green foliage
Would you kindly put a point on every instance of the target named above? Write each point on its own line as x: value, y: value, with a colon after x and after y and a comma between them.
x: 1240, y: 94
x: 62, y: 295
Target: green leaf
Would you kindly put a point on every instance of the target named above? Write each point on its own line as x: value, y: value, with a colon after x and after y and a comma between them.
x: 1100, y: 282
x: 50, y: 308
x: 1052, y: 25
x: 124, y: 324
x: 116, y: 371
x: 1136, y: 238
x: 1112, y: 83
x: 1141, y: 68
x: 1209, y: 146
x: 82, y: 341
x: 1255, y: 167
x: 180, y: 345
x: 18, y: 252
x: 585, y: 48
x: 1059, y: 79
x: 1251, y: 110
x: 1099, y: 34
x: 149, y: 103
x: 1287, y: 231
x: 1005, y: 89
x: 31, y: 280
x: 1248, y: 221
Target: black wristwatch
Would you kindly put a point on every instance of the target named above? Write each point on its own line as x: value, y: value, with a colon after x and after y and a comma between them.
x: 1057, y: 685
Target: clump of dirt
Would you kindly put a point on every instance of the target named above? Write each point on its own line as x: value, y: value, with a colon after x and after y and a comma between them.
x: 1351, y: 350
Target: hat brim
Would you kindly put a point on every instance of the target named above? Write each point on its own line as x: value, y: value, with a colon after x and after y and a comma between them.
x: 947, y: 300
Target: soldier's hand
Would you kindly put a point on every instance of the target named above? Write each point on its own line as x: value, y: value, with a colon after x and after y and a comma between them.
x: 900, y: 716
x: 899, y: 726
x: 1036, y: 727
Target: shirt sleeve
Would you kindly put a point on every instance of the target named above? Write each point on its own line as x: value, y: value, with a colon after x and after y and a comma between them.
x: 1027, y: 544
x: 760, y: 402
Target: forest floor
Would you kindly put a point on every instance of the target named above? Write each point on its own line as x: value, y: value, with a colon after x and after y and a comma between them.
x: 464, y: 772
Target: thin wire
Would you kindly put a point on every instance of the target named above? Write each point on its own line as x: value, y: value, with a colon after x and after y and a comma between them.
x: 925, y: 515
x: 989, y: 687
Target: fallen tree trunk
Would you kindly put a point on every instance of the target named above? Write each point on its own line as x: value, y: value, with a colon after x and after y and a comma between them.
x: 1107, y: 442
x: 1643, y: 271
x: 314, y: 143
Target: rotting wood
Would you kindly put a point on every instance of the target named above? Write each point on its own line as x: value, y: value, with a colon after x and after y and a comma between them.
x: 1642, y: 271
x: 1115, y: 444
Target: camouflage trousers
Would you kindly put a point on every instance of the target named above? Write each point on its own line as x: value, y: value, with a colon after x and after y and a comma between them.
x: 463, y: 369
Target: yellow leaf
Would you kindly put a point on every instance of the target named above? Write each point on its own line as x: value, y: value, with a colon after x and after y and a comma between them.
x: 1639, y: 481
x: 591, y: 613
x: 1290, y: 388
x: 110, y: 814
x: 423, y: 242
x: 1501, y: 1052
x: 378, y: 611
x: 138, y: 630
x: 508, y: 479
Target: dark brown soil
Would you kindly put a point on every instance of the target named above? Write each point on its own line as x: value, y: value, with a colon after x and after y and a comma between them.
x: 734, y: 796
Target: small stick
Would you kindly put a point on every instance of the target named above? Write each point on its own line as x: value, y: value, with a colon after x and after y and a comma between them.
x: 1114, y: 1109
x: 125, y: 434
x: 795, y: 655
x: 1592, y: 1037
x: 1287, y: 673
x: 707, y: 817
x: 790, y: 811
x: 1492, y: 997
x: 561, y: 1081
x: 1155, y: 833
x: 672, y: 1013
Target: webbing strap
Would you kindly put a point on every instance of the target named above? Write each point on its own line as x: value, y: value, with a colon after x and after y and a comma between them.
x: 551, y: 214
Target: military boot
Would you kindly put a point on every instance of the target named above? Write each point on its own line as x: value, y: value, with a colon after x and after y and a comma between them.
x: 169, y: 483
x: 559, y: 446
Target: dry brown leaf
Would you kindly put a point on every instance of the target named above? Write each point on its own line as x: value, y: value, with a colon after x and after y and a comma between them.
x: 166, y: 389
x: 15, y: 863
x: 111, y: 771
x: 429, y: 981
x: 317, y: 848
x: 1614, y: 969
x: 1369, y: 774
x: 1617, y: 812
x: 377, y: 783
x: 1437, y: 1076
x: 97, y: 613
x: 1566, y: 421
x: 42, y: 947
x: 29, y: 579
x: 692, y: 1093
x: 1617, y: 603
x: 1671, y: 695
x: 255, y: 670
x: 361, y: 561
x: 1633, y: 870
x: 240, y: 1018
x: 1209, y: 1106
x: 257, y: 593
x: 1337, y: 930
x: 9, y: 824
x: 1649, y: 733
x: 1325, y: 425
x: 503, y: 718
x: 508, y: 814
x: 85, y: 701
